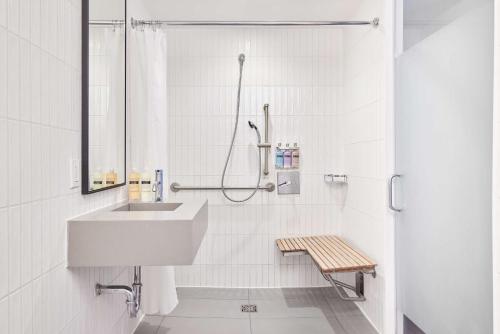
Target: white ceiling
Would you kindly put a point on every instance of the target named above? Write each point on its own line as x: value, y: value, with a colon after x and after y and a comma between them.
x: 243, y: 9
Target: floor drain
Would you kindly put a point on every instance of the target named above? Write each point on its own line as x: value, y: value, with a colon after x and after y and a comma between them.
x: 249, y: 308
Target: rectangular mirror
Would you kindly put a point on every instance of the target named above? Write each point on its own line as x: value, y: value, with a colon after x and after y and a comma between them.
x: 103, y: 94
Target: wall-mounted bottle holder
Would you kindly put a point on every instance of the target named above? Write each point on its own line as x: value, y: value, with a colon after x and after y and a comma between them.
x: 288, y: 157
x: 335, y: 178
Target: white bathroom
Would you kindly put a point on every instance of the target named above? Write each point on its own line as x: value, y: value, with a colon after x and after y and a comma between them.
x: 197, y: 167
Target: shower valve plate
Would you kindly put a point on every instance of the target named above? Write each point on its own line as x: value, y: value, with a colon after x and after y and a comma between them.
x: 249, y: 308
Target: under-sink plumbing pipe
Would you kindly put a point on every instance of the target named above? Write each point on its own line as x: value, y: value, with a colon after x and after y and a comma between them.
x: 133, y: 294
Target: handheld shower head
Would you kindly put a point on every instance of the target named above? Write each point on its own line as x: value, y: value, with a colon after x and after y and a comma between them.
x: 253, y: 126
x: 241, y: 58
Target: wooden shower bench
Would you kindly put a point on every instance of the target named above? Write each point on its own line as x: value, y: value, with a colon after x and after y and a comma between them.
x: 332, y: 254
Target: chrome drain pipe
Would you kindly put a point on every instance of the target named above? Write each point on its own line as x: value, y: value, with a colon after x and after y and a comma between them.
x: 132, y: 294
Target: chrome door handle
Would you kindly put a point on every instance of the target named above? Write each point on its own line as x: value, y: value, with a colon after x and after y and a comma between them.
x: 391, y: 193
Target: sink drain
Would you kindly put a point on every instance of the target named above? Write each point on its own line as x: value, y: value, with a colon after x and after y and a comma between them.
x: 249, y: 308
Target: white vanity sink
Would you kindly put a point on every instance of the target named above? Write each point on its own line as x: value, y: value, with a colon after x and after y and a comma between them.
x: 138, y: 234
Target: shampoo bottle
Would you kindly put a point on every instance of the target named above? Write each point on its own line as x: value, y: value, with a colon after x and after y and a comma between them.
x: 146, y: 187
x: 279, y: 157
x: 134, y: 188
x: 110, y: 178
x: 97, y: 181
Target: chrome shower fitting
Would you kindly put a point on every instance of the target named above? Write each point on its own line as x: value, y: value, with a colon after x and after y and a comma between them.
x: 133, y: 294
x: 267, y: 150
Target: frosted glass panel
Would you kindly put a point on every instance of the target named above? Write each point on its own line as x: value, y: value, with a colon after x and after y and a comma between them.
x: 444, y: 141
x: 423, y: 18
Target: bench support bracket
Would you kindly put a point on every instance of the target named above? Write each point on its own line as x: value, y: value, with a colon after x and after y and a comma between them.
x: 358, y: 289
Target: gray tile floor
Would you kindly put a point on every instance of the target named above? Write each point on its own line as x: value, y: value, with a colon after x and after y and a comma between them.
x: 279, y: 311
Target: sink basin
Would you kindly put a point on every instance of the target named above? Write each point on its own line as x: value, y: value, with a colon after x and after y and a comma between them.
x: 149, y: 207
x: 138, y: 234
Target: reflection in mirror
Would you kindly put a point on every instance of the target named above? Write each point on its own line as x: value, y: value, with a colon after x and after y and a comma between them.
x: 105, y: 145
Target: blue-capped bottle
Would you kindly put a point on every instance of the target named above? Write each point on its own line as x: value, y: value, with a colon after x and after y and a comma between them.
x: 279, y: 157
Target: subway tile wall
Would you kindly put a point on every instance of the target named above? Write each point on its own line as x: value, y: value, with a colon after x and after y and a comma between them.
x: 298, y: 71
x: 364, y: 149
x: 40, y: 108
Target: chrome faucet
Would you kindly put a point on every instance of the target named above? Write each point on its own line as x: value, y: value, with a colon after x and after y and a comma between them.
x: 158, y: 185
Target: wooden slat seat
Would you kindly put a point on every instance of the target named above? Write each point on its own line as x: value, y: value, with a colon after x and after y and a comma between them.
x: 331, y: 253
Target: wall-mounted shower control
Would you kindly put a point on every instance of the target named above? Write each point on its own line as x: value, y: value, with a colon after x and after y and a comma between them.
x: 288, y: 183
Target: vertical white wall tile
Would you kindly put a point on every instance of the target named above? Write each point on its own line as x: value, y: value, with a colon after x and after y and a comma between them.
x: 13, y: 15
x: 4, y: 163
x: 4, y: 251
x: 3, y: 13
x: 24, y: 18
x: 14, y: 272
x: 13, y: 60
x: 27, y: 310
x: 3, y: 69
x: 4, y: 315
x: 35, y: 79
x: 26, y: 244
x: 14, y: 163
x: 24, y: 81
x: 15, y: 313
x: 36, y: 238
x: 25, y: 162
x: 35, y: 15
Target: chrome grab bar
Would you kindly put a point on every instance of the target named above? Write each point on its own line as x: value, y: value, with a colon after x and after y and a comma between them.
x: 175, y: 187
x: 391, y: 193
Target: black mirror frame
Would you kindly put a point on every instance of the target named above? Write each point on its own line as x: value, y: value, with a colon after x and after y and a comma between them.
x: 85, y: 104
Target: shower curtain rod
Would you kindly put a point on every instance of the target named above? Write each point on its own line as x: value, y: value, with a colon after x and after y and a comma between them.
x: 135, y: 23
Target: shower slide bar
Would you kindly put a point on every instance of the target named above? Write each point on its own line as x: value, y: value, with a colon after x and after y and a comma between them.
x: 135, y: 23
x: 175, y: 187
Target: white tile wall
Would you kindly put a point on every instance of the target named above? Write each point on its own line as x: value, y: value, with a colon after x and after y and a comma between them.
x: 299, y: 73
x: 363, y: 145
x: 39, y: 132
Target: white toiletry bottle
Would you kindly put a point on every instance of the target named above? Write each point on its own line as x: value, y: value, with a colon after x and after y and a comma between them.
x: 295, y: 156
x: 97, y: 179
x: 146, y: 187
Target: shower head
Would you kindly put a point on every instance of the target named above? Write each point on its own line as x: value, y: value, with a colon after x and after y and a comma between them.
x: 241, y: 58
x: 253, y: 126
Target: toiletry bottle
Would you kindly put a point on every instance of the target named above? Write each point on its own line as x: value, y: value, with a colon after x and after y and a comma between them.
x: 146, y: 187
x: 279, y: 157
x: 97, y: 181
x: 287, y: 157
x: 134, y: 187
x: 110, y: 178
x: 295, y: 156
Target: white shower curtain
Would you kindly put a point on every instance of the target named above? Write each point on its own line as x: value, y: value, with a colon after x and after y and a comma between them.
x: 148, y: 142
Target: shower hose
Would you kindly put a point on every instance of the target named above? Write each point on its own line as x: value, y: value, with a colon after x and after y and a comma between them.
x: 241, y: 60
